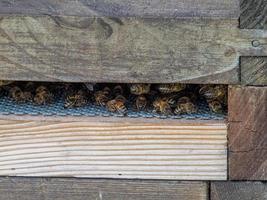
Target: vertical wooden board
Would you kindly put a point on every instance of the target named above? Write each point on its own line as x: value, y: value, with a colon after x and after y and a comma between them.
x: 93, y: 149
x: 124, y: 8
x: 247, y: 133
x: 99, y: 189
x: 238, y: 191
x: 253, y: 14
x: 254, y: 70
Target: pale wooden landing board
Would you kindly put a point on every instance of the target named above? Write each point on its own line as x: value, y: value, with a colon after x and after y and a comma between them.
x: 123, y: 8
x: 95, y: 149
x: 78, y: 49
x: 99, y: 189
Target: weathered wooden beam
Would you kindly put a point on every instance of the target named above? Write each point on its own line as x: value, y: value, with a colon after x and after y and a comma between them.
x: 247, y: 133
x: 254, y: 70
x: 95, y: 149
x: 123, y: 8
x: 128, y: 50
x: 99, y: 189
x: 238, y: 190
x: 253, y: 14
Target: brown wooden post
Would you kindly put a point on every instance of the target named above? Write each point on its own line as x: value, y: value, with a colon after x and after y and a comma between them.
x: 247, y: 133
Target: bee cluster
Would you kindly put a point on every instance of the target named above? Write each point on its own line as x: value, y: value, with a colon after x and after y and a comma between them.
x: 166, y: 99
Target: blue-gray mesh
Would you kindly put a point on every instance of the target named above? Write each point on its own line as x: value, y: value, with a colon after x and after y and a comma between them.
x: 8, y: 107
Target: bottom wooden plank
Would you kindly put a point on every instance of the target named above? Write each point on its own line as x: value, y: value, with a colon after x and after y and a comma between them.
x: 97, y: 149
x: 238, y: 190
x: 97, y: 189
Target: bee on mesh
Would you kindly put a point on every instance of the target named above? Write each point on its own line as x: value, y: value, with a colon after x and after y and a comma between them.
x: 43, y: 96
x: 163, y: 105
x: 211, y: 92
x: 216, y: 106
x: 102, y: 96
x: 139, y: 88
x: 185, y: 106
x: 170, y: 88
x: 76, y: 99
x: 16, y: 94
x: 117, y: 105
x: 216, y: 97
x: 141, y: 102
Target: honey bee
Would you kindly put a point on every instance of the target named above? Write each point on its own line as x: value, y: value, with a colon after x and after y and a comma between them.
x: 78, y: 99
x: 162, y: 105
x: 90, y: 86
x: 141, y: 102
x: 4, y: 83
x: 17, y: 95
x: 218, y: 92
x: 215, y: 106
x: 29, y: 87
x: 118, y: 90
x: 171, y: 88
x: 140, y: 88
x: 28, y: 96
x: 185, y: 106
x: 102, y: 96
x: 43, y: 96
x: 117, y: 105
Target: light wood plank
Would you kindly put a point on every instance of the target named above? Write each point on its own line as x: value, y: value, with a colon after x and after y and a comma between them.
x: 103, y: 50
x: 123, y: 8
x: 99, y: 189
x: 113, y: 150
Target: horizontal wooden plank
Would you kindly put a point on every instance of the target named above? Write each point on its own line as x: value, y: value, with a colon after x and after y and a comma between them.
x: 106, y: 50
x: 238, y: 190
x: 99, y: 189
x: 247, y: 133
x: 253, y: 14
x: 123, y: 8
x: 254, y: 70
x: 113, y: 150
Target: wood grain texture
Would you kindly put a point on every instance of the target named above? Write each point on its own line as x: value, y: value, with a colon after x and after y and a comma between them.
x: 254, y: 70
x: 113, y: 150
x: 253, y: 14
x: 238, y: 191
x: 99, y: 189
x: 123, y: 8
x: 247, y: 133
x: 129, y: 50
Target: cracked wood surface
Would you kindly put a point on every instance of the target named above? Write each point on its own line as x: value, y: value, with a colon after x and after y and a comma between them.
x: 238, y: 191
x: 127, y: 50
x: 99, y: 189
x: 247, y: 133
x: 254, y: 70
x: 123, y: 8
x: 253, y: 14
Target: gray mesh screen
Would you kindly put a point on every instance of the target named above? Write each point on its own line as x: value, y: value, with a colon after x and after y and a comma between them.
x: 8, y: 107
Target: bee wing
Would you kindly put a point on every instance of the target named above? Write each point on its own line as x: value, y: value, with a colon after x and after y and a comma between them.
x: 90, y: 86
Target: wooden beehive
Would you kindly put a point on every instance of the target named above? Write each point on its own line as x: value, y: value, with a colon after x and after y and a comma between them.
x: 198, y: 42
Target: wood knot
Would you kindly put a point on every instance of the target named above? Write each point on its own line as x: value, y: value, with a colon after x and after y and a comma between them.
x: 229, y: 52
